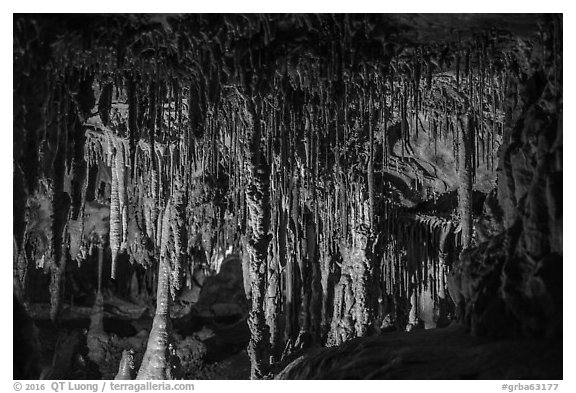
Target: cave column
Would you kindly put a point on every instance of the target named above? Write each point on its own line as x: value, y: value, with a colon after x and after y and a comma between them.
x: 465, y: 129
x: 258, y: 202
x: 360, y: 260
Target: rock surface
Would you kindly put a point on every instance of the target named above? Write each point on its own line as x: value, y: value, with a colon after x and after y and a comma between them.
x: 510, y: 285
x: 447, y: 353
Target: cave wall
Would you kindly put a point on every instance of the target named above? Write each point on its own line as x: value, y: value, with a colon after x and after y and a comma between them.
x: 511, y: 284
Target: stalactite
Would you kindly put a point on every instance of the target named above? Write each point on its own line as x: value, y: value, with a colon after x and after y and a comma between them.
x: 457, y: 70
x: 152, y: 136
x: 403, y: 120
x: 122, y: 189
x: 132, y: 122
x: 371, y: 166
x: 384, y: 133
x: 116, y: 233
x: 180, y: 234
x: 465, y: 178
x: 164, y: 232
x: 493, y: 131
x: 325, y: 266
x: 78, y: 178
x: 482, y: 93
x: 105, y: 102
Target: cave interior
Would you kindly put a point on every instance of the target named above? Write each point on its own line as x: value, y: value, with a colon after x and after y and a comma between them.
x: 287, y: 196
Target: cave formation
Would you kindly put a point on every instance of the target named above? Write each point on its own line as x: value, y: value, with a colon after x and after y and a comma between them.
x: 287, y: 196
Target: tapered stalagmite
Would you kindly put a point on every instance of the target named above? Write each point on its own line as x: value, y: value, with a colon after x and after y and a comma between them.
x: 160, y: 360
x: 126, y: 367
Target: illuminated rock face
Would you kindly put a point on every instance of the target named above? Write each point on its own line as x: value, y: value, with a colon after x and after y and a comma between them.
x: 370, y: 173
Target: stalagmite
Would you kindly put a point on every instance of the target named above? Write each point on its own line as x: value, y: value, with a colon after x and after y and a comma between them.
x: 160, y: 360
x: 126, y: 367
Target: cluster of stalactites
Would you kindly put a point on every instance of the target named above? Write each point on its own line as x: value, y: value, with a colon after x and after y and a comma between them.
x: 150, y: 184
x: 417, y: 255
x: 432, y: 94
x: 321, y: 130
x: 321, y: 143
x: 135, y: 194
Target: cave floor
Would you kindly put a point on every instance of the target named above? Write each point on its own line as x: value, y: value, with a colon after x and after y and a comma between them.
x: 441, y: 353
x: 218, y: 348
